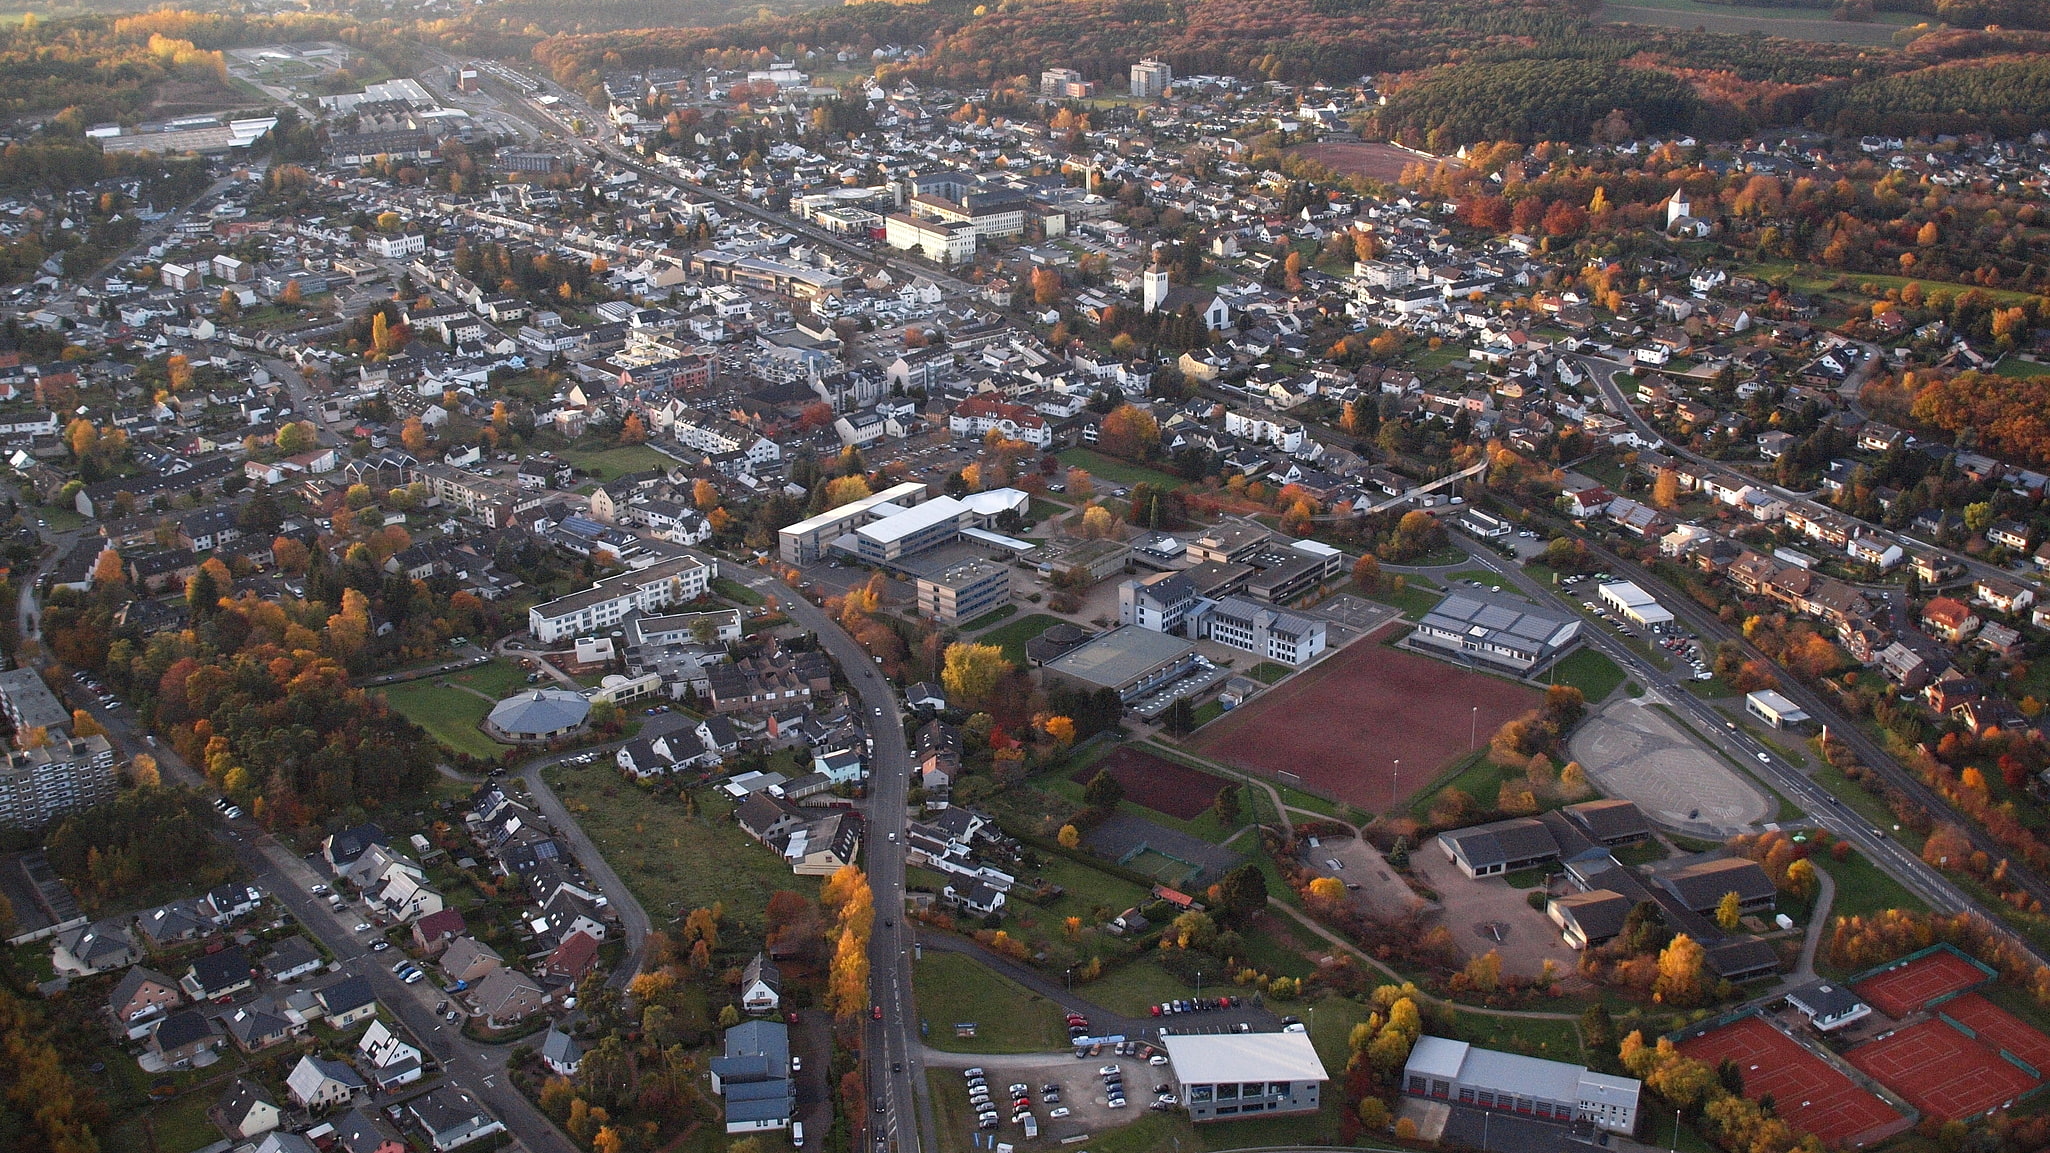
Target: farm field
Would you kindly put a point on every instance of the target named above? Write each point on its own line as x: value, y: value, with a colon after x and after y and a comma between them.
x: 1340, y: 726
x: 1373, y: 160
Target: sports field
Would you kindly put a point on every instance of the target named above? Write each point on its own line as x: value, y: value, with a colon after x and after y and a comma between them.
x: 1905, y: 988
x: 1341, y: 726
x: 1941, y: 1071
x: 1156, y: 782
x: 2000, y: 1029
x: 1809, y: 1094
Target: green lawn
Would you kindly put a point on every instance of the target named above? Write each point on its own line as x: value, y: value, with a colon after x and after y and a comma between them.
x: 1414, y: 600
x: 1111, y: 469
x: 1862, y: 889
x: 954, y: 988
x: 1267, y: 672
x: 1210, y: 711
x: 1002, y: 612
x: 450, y: 715
x: 181, y: 1124
x: 1590, y: 671
x: 1013, y: 636
x: 1536, y: 1037
x: 738, y: 593
x: 2019, y: 369
x: 1131, y: 988
x: 616, y: 461
x: 662, y: 853
x: 1809, y: 279
x: 1089, y: 891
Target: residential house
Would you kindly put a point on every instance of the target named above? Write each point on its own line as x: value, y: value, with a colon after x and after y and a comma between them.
x: 142, y: 994
x: 359, y: 1131
x: 761, y: 986
x: 100, y: 947
x: 572, y: 959
x: 561, y: 1053
x: 1950, y: 619
x: 391, y: 1061
x: 245, y: 1111
x: 293, y: 958
x: 181, y: 1036
x: 219, y: 974
x: 471, y: 960
x: 433, y: 932
x: 257, y: 1026
x: 2003, y: 595
x: 506, y: 997
x: 450, y: 1117
x: 347, y: 1001
x: 318, y: 1083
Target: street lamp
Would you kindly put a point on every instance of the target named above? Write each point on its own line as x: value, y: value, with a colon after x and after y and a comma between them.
x: 1395, y: 788
x: 1199, y: 983
x: 1473, y: 729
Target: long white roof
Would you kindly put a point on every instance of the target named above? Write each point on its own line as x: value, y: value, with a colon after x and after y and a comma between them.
x: 1206, y: 1059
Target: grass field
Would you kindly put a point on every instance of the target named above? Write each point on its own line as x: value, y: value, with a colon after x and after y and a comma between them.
x: 1737, y: 21
x: 1002, y: 612
x: 1131, y: 988
x: 449, y: 715
x: 1590, y: 671
x: 1415, y: 599
x: 1013, y: 635
x: 954, y: 988
x: 1862, y: 889
x: 1809, y: 279
x: 608, y: 463
x: 1111, y: 469
x: 658, y: 849
x: 2017, y: 369
x: 738, y: 593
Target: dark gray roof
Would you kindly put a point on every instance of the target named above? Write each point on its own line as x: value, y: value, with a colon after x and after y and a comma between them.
x: 346, y: 994
x: 356, y: 1131
x: 1702, y: 884
x: 1825, y: 999
x: 223, y: 970
x: 1600, y: 913
x: 183, y: 1029
x: 1516, y: 839
x: 1609, y: 820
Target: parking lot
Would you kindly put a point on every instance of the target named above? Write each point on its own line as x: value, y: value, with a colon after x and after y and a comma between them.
x: 1081, y: 1091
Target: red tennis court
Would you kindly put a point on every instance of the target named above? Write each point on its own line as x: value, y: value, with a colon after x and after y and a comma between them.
x: 1940, y: 1071
x: 1809, y: 1093
x: 1903, y: 989
x: 1999, y: 1029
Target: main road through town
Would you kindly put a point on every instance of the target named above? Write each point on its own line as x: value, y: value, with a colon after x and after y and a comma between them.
x: 896, y: 1073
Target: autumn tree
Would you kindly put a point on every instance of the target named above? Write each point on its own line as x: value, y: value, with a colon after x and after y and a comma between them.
x: 1366, y: 573
x: 846, y: 489
x: 1081, y: 485
x: 1069, y: 837
x: 108, y: 571
x: 633, y: 430
x: 83, y: 725
x: 413, y: 434
x: 1098, y: 523
x: 1129, y: 431
x: 1681, y: 965
x: 970, y: 672
x: 1729, y: 912
x: 1104, y: 792
x: 1329, y: 890
x: 704, y: 494
x: 1665, y: 491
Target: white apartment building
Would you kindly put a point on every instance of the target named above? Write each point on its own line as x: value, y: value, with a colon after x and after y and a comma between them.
x: 1282, y: 637
x: 659, y: 586
x: 1150, y: 79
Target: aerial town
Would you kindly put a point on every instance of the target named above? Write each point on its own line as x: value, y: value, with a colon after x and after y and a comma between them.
x: 704, y: 588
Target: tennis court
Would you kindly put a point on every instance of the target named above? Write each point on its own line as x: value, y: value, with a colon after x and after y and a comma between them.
x: 1940, y: 1071
x: 1907, y: 987
x: 1810, y: 1094
x: 2000, y: 1029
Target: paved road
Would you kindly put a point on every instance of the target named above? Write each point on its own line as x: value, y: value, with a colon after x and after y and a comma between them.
x: 632, y: 918
x: 895, y: 1055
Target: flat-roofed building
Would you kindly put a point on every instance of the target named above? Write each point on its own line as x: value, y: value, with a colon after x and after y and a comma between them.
x: 41, y: 784
x: 1774, y: 709
x: 900, y: 534
x: 1132, y: 660
x: 29, y: 703
x: 1635, y: 605
x: 1225, y: 1075
x: 962, y: 590
x: 1447, y: 1070
x: 1508, y: 637
x: 806, y: 541
x: 606, y: 603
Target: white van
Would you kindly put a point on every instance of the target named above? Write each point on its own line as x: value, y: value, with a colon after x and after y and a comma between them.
x: 797, y: 1134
